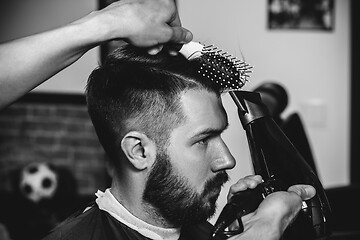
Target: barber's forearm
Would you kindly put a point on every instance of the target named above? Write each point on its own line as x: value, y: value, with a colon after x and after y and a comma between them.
x: 29, y: 61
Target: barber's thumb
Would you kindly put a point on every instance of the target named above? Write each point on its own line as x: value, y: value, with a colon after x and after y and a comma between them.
x: 155, y: 49
x: 304, y: 191
x: 181, y: 35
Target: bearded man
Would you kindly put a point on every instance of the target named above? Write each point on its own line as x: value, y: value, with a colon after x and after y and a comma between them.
x: 160, y: 122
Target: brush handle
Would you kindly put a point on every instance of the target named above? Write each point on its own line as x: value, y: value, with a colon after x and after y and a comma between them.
x: 191, y: 50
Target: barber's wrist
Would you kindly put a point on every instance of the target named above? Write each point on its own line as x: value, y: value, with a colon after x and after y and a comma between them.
x: 92, y: 30
x: 262, y: 229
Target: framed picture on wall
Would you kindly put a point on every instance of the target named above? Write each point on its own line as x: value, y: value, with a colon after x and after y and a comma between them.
x: 301, y: 14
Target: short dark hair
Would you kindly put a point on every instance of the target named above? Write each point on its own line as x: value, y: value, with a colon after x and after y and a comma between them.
x: 133, y: 90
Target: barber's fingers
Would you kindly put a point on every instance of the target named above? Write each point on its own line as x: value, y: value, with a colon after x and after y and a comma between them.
x: 286, y: 204
x: 164, y: 33
x: 242, y: 184
x: 304, y: 191
x: 155, y: 50
x: 178, y: 36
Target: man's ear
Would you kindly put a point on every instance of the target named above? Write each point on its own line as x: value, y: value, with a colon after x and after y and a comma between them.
x: 139, y: 149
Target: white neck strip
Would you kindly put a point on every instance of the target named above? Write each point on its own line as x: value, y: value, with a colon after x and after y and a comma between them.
x: 108, y: 203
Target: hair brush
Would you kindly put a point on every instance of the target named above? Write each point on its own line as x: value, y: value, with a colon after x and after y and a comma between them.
x: 219, y: 66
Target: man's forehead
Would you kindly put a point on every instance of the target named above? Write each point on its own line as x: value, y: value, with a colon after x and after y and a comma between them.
x: 202, y: 107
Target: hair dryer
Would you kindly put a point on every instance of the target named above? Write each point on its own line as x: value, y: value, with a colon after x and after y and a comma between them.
x: 276, y: 159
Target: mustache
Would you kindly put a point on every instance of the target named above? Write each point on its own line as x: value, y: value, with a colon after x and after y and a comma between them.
x: 217, y: 181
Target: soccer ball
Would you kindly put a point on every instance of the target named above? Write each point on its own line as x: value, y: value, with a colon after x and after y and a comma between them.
x: 38, y: 182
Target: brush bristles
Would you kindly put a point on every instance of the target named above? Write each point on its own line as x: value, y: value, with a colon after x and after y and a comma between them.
x: 224, y: 69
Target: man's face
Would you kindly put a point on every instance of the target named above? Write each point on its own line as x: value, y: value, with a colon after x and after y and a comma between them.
x: 186, y: 178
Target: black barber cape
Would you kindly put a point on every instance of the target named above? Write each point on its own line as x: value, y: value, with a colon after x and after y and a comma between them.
x: 96, y: 224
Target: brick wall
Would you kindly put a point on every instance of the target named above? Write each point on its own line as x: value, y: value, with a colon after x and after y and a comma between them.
x: 53, y: 128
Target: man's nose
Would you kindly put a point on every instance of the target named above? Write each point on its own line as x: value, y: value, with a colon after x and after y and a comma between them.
x: 223, y: 159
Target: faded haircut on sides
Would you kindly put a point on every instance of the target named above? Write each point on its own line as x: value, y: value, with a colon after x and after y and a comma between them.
x: 135, y: 91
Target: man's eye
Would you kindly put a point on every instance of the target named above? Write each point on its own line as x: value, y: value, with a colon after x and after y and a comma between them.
x: 203, y: 141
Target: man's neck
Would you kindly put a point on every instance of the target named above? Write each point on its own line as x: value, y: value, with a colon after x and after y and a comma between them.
x: 132, y: 201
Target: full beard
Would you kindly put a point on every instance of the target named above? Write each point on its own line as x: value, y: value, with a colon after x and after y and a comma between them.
x: 174, y: 199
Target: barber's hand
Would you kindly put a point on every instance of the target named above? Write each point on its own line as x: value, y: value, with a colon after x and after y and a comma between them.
x: 243, y: 184
x: 275, y: 213
x: 250, y: 181
x: 143, y: 23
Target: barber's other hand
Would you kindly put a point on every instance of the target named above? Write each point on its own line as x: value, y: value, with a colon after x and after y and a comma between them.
x: 143, y: 23
x: 275, y: 213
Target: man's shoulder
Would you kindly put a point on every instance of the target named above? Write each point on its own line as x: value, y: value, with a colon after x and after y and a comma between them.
x: 76, y: 226
x: 93, y: 224
x: 200, y: 231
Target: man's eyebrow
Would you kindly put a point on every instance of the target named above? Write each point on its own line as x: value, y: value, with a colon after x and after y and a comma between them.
x: 210, y: 132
